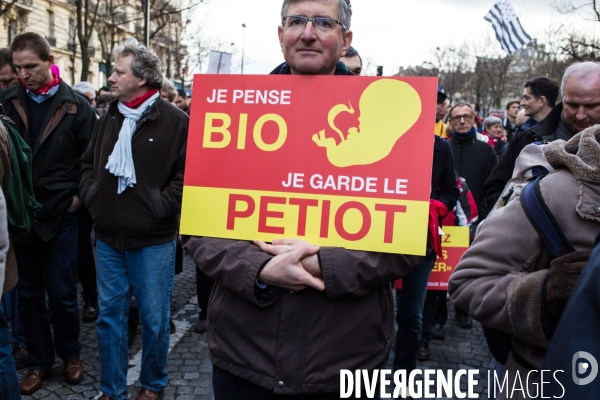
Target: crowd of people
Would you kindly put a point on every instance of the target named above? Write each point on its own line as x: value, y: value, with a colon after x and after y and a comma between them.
x: 92, y: 184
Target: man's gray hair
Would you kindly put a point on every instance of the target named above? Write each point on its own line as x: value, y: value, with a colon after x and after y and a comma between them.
x: 491, y: 121
x: 580, y: 70
x: 84, y: 87
x: 344, y: 11
x: 461, y: 104
x: 145, y: 63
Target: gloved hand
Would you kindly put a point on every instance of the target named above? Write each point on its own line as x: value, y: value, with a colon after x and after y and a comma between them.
x: 563, y: 276
x: 437, y: 210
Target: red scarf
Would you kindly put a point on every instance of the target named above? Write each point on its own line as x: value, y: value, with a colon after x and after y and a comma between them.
x: 135, y: 103
x: 56, y: 80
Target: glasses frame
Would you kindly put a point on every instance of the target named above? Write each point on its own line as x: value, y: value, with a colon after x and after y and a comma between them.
x: 344, y: 29
x: 457, y: 118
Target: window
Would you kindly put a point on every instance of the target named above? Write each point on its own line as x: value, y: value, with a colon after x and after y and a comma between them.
x: 51, y: 30
x: 12, y: 30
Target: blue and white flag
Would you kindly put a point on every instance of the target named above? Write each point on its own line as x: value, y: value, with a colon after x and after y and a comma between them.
x: 509, y: 31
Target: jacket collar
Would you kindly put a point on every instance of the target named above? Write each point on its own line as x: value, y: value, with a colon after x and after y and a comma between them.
x: 19, y: 92
x: 284, y: 69
x: 548, y: 125
x: 152, y: 114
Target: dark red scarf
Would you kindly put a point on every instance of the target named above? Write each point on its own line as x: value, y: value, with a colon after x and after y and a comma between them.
x: 135, y: 103
x: 56, y: 80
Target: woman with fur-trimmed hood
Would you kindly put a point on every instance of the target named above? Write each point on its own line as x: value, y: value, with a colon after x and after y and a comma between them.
x: 506, y: 280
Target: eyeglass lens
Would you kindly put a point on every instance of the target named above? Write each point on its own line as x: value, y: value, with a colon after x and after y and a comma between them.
x: 320, y: 23
x: 466, y: 117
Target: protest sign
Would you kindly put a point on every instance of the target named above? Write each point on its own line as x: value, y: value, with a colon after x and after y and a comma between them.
x: 498, y: 113
x: 454, y: 244
x: 333, y: 160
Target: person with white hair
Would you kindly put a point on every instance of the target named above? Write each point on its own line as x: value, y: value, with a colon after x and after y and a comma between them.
x: 168, y: 91
x: 86, y: 89
x: 579, y: 110
x: 492, y: 128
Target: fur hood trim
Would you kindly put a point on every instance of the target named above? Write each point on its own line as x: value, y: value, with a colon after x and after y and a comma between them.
x: 580, y: 155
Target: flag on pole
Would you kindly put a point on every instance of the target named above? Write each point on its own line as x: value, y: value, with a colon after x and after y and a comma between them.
x: 505, y: 22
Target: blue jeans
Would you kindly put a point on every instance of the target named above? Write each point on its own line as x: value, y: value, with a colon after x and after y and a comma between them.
x: 409, y: 314
x: 11, y: 302
x: 148, y: 274
x: 49, y: 267
x: 9, y: 384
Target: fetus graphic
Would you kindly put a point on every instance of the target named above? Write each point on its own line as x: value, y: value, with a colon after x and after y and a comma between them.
x: 388, y: 109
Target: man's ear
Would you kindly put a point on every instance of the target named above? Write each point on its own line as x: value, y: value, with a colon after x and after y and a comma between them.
x: 142, y: 82
x: 544, y: 99
x: 280, y: 34
x: 347, y: 41
x: 51, y: 59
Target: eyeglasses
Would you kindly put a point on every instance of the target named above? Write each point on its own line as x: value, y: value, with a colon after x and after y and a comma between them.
x: 321, y: 24
x: 466, y: 117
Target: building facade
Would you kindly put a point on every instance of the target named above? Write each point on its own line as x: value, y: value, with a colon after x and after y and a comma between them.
x: 115, y: 21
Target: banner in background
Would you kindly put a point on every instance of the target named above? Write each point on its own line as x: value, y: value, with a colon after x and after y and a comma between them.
x: 454, y: 245
x: 219, y: 62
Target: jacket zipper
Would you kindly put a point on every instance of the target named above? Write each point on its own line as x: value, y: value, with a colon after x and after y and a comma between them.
x: 117, y: 202
x: 120, y: 239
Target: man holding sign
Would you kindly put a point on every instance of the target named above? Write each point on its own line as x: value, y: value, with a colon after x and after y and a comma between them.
x: 285, y: 318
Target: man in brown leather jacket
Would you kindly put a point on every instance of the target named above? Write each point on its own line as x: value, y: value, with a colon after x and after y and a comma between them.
x: 284, y: 319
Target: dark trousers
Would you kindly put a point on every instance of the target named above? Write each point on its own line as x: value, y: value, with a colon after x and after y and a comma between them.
x: 409, y: 314
x: 86, y: 264
x: 229, y: 387
x: 204, y: 284
x: 50, y: 268
x: 435, y: 310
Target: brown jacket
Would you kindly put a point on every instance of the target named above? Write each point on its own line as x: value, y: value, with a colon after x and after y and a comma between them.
x: 10, y: 275
x: 297, y: 343
x: 55, y: 157
x: 502, y: 289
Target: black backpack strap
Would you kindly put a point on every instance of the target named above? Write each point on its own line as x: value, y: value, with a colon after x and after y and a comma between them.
x: 538, y: 171
x: 543, y: 221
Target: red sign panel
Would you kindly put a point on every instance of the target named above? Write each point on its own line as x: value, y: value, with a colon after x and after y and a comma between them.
x: 334, y: 160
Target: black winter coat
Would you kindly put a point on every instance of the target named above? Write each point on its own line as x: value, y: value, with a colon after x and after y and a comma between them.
x: 474, y: 160
x: 146, y: 214
x: 503, y: 172
x: 443, y: 180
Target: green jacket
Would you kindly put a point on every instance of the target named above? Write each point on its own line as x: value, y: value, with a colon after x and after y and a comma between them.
x: 64, y: 137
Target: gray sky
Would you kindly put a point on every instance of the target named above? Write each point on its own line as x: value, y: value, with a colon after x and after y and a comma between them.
x: 391, y: 33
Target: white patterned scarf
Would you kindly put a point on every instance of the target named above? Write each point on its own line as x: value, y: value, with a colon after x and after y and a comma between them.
x: 120, y: 162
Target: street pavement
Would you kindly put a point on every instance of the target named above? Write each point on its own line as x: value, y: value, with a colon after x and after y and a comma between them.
x: 190, y: 369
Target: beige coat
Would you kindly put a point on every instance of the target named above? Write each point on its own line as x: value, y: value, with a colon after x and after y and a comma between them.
x: 499, y: 279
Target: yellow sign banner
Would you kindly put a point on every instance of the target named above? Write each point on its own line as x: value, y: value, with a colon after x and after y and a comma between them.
x: 384, y: 225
